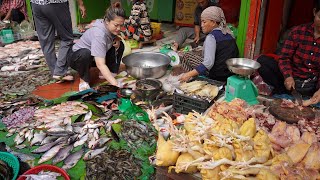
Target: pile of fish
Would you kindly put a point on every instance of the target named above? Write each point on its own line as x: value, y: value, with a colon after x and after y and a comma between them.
x: 22, y: 84
x: 112, y: 165
x: 19, y: 117
x: 137, y: 133
x: 47, y: 175
x: 20, y: 56
x: 56, y: 135
x: 6, y: 172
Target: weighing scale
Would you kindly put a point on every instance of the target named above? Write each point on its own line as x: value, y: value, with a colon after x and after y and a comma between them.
x: 239, y: 85
x: 166, y: 49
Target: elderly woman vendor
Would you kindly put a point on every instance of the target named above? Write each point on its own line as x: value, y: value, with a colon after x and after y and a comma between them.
x: 219, y: 46
x: 299, y: 64
x: 99, y: 46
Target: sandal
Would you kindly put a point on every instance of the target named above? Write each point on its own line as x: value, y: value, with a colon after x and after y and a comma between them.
x: 61, y: 79
x: 83, y: 86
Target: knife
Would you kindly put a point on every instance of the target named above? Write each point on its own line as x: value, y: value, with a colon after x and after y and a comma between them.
x: 297, y: 96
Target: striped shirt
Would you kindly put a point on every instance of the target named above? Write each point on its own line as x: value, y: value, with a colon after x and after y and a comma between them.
x: 45, y: 2
x: 14, y: 4
x: 300, y: 55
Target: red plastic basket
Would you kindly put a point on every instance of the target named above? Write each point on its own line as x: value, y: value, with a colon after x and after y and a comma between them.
x: 45, y: 167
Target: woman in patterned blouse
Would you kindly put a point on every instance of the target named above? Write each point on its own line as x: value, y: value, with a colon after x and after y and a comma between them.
x: 14, y: 10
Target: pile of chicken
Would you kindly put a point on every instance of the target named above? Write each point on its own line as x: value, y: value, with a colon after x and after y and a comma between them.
x: 200, y: 89
x: 227, y: 144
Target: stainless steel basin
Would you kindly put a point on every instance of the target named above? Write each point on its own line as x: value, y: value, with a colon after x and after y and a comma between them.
x: 143, y: 65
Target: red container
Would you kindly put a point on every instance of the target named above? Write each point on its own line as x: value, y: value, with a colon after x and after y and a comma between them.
x: 45, y: 167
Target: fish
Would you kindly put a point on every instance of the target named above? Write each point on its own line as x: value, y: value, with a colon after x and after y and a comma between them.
x: 81, y: 141
x: 100, y: 142
x: 38, y: 137
x: 72, y: 159
x: 88, y: 116
x: 23, y: 157
x: 9, y: 134
x: 29, y: 135
x: 19, y: 139
x: 21, y: 146
x: 50, y: 154
x: 48, y: 139
x: 48, y: 146
x: 92, y: 153
x: 62, y: 154
x: 96, y: 134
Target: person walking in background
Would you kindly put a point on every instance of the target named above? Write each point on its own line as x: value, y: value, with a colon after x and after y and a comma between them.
x: 52, y: 16
x: 13, y: 10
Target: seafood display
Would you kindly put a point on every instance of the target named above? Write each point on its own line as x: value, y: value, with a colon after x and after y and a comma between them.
x: 55, y: 135
x: 43, y: 175
x: 113, y: 165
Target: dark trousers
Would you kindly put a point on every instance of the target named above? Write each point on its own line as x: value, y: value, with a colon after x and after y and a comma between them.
x: 49, y: 19
x: 17, y: 16
x: 271, y: 74
x: 81, y: 61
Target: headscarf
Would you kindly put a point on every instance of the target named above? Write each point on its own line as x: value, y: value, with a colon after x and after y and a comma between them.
x: 216, y: 14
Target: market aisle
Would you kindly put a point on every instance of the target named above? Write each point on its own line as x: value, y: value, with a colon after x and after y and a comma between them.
x: 55, y: 90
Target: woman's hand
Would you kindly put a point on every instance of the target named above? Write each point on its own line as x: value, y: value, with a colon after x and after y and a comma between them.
x: 289, y: 83
x: 185, y: 77
x: 313, y: 100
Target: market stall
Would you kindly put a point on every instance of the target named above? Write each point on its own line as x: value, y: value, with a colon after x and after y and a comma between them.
x: 139, y: 132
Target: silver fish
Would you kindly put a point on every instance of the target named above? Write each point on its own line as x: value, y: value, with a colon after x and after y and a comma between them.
x: 29, y: 135
x: 100, y: 142
x: 81, y: 141
x: 21, y: 146
x: 96, y: 133
x: 72, y: 159
x: 38, y: 137
x: 62, y: 154
x: 91, y: 143
x: 9, y: 135
x: 50, y: 154
x: 48, y: 139
x: 23, y: 131
x: 19, y: 139
x: 92, y: 153
x: 88, y: 116
x: 48, y: 146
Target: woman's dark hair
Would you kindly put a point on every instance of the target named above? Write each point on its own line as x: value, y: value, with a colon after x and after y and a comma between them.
x: 113, y: 12
x: 317, y: 5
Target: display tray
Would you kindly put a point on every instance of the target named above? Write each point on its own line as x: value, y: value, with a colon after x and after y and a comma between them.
x: 184, y: 104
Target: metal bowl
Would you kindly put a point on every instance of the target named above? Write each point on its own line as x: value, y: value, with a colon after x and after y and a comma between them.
x: 242, y: 66
x: 148, y: 88
x: 146, y: 64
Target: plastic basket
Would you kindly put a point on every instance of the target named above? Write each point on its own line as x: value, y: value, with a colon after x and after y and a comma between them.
x: 45, y: 167
x: 185, y: 104
x: 12, y: 161
x: 156, y: 28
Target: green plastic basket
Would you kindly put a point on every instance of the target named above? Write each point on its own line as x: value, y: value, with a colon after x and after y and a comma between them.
x: 12, y: 161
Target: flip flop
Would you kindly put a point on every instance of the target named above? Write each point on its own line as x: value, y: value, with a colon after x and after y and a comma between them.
x: 61, y: 79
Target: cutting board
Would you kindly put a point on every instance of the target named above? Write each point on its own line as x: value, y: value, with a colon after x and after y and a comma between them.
x: 290, y: 115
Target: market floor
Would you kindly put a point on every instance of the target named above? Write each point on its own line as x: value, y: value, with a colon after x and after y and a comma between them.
x: 55, y: 90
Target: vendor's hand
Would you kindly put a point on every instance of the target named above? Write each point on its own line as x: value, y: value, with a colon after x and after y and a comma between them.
x: 185, y: 77
x: 196, y: 39
x: 289, y: 83
x: 313, y: 100
x: 83, y: 11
